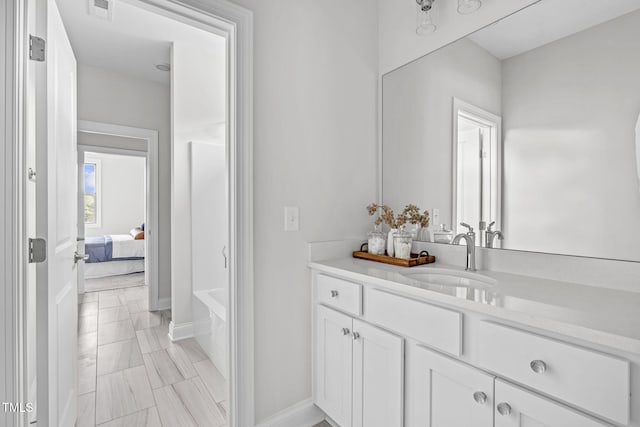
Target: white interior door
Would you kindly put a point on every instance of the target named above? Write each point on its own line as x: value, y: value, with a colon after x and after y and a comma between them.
x: 56, y: 220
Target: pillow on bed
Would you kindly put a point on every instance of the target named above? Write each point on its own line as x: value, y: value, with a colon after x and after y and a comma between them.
x: 137, y: 233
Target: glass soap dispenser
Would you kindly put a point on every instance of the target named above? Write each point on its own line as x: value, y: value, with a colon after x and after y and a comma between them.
x: 443, y: 235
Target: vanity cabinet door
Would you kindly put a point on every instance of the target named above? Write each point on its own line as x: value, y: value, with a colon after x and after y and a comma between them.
x: 378, y: 372
x: 334, y: 354
x: 516, y: 407
x: 443, y: 392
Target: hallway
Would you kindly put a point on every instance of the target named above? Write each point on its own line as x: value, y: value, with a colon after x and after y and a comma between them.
x: 131, y: 374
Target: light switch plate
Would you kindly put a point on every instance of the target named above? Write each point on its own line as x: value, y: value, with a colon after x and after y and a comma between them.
x: 435, y: 217
x: 291, y: 218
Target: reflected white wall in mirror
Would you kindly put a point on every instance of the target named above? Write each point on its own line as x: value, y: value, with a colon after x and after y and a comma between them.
x: 568, y: 93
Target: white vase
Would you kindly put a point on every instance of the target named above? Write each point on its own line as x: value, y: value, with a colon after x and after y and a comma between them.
x: 390, y: 251
x: 423, y: 235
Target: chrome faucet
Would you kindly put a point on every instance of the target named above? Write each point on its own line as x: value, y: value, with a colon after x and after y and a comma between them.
x: 470, y: 239
x: 490, y: 235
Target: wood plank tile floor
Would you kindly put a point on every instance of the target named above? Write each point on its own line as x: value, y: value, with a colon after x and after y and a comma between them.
x: 131, y: 374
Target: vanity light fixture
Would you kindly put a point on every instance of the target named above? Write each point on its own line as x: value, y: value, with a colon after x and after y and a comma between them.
x: 465, y: 7
x: 425, y: 19
x: 425, y: 5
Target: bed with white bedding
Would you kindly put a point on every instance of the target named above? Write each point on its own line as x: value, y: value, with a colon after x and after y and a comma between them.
x: 113, y: 255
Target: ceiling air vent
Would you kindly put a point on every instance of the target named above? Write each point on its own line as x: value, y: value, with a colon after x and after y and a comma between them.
x: 102, y: 9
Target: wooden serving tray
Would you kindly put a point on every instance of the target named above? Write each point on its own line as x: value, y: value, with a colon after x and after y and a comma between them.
x: 415, y: 259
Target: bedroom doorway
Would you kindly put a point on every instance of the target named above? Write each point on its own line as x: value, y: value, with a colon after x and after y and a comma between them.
x: 114, y: 216
x: 118, y: 209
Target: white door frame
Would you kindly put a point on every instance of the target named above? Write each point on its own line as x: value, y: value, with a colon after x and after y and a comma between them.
x: 219, y: 16
x: 495, y: 123
x: 13, y: 383
x: 152, y: 192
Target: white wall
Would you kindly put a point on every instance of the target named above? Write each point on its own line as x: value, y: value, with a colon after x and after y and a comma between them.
x: 315, y: 68
x: 418, y: 122
x: 399, y: 43
x: 198, y: 112
x: 569, y: 141
x: 122, y: 195
x: 109, y: 97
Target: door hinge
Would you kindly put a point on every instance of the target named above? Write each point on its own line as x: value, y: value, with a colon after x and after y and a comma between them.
x: 37, y: 47
x: 37, y: 250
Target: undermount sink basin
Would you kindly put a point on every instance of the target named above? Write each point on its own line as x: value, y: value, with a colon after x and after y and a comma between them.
x: 446, y: 277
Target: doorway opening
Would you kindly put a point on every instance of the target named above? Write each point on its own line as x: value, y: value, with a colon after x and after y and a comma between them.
x: 477, y: 170
x: 154, y: 346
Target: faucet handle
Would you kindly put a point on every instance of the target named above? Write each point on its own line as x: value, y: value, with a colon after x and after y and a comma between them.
x: 464, y: 224
x: 491, y: 225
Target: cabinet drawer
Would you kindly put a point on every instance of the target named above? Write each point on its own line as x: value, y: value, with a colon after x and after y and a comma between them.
x: 338, y: 293
x: 516, y: 407
x: 434, y: 326
x: 596, y: 382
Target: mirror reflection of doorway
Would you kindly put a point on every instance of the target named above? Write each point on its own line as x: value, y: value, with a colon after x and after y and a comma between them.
x: 477, y: 170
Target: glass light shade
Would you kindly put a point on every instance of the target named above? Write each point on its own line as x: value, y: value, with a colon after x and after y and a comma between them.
x: 425, y: 23
x: 466, y: 7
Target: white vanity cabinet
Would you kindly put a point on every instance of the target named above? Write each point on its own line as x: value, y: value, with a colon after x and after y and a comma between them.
x: 462, y: 369
x: 359, y: 371
x: 446, y: 393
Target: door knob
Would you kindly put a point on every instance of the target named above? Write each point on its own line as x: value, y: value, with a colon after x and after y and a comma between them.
x: 480, y: 397
x: 538, y: 366
x: 504, y: 409
x: 355, y: 336
x: 334, y: 294
x: 345, y: 331
x: 79, y: 257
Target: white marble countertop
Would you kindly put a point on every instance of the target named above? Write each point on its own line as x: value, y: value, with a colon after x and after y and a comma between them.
x: 599, y: 315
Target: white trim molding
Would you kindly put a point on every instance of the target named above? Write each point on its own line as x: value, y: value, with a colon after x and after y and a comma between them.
x: 181, y: 331
x: 152, y: 258
x: 13, y: 386
x: 303, y: 414
x: 164, y: 303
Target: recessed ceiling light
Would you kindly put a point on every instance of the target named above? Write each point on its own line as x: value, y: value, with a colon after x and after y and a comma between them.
x: 163, y: 67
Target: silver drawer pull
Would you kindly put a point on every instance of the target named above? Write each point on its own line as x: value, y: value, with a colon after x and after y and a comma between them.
x: 345, y: 331
x: 355, y: 336
x: 334, y: 294
x: 538, y: 366
x: 504, y: 409
x: 480, y: 397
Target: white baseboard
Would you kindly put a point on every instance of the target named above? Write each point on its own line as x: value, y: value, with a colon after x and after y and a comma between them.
x: 181, y: 331
x: 164, y: 303
x: 303, y: 414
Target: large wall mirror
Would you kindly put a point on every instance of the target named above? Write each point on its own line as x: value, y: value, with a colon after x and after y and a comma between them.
x: 530, y: 125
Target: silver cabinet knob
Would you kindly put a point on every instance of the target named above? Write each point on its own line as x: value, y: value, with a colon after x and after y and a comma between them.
x: 480, y: 397
x: 355, y: 336
x: 334, y: 294
x: 538, y: 366
x: 504, y: 408
x: 345, y: 331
